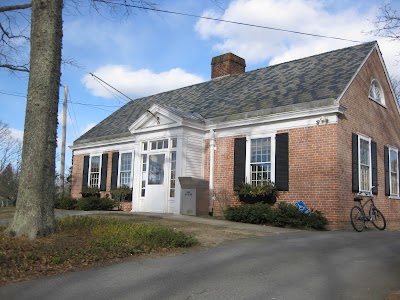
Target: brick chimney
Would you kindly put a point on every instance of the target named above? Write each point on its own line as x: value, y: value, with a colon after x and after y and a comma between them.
x: 227, y: 64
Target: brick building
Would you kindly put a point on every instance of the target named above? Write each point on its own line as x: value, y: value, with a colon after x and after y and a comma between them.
x: 322, y: 128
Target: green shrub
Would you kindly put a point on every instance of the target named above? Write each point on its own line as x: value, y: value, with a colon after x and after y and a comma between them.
x: 265, y: 188
x: 65, y: 203
x: 122, y: 193
x: 122, y: 237
x: 90, y: 192
x: 257, y: 213
x: 284, y: 214
x: 95, y: 203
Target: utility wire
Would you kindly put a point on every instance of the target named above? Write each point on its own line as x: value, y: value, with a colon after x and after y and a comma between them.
x: 99, y: 79
x: 73, y: 125
x: 73, y: 111
x: 231, y: 22
x: 110, y: 91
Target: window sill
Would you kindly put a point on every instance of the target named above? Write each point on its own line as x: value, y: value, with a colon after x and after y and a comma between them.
x: 394, y: 197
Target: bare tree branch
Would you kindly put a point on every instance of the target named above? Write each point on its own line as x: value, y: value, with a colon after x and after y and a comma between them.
x: 15, y: 7
x: 387, y: 24
x: 15, y: 68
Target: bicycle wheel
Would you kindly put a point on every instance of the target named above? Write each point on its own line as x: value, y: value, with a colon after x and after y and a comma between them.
x: 378, y: 219
x: 357, y: 219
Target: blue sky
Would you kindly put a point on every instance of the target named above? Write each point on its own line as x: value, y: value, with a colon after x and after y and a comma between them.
x: 147, y: 52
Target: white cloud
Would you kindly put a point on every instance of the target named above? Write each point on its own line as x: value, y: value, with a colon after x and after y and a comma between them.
x: 258, y: 45
x: 138, y: 83
x: 17, y: 134
x: 60, y: 117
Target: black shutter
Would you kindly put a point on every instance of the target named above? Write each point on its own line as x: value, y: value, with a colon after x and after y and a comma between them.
x: 398, y: 169
x: 85, y: 176
x: 239, y: 165
x: 104, y: 164
x: 354, y: 149
x: 374, y: 165
x: 387, y: 175
x: 282, y: 161
x: 114, y: 170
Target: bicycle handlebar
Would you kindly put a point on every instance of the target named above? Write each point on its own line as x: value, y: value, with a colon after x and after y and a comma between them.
x: 367, y: 194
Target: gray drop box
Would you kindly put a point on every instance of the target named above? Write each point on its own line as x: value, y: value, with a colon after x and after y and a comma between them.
x: 194, y: 196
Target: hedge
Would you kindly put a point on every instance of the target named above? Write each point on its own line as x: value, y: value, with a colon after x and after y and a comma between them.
x: 283, y: 215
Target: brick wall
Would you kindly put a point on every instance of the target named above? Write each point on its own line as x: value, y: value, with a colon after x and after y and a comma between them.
x: 77, y: 174
x: 382, y: 124
x: 313, y: 169
x: 227, y: 64
x: 223, y: 172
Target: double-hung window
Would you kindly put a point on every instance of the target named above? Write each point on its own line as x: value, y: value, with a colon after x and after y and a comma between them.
x: 364, y: 163
x: 394, y: 171
x: 94, y: 175
x: 260, y: 161
x: 125, y: 170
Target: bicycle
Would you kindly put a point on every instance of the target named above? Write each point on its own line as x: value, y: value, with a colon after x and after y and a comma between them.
x: 358, y: 216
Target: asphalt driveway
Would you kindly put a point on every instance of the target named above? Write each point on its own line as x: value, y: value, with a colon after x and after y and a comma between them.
x: 290, y: 265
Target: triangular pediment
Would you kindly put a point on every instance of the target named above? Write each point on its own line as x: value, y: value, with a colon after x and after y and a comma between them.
x: 155, y: 118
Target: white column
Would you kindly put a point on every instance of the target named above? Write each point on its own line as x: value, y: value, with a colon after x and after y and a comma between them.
x: 211, y: 182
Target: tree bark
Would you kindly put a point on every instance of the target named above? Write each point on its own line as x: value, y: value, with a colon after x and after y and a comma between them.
x: 34, y: 215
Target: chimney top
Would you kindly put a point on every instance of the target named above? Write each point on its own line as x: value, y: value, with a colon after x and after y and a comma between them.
x: 227, y: 64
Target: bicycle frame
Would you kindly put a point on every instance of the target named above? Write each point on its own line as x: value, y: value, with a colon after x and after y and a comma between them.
x: 370, y: 199
x: 374, y: 216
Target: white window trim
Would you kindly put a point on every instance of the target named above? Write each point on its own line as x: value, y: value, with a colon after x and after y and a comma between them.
x: 382, y: 102
x: 390, y: 173
x: 248, y: 154
x: 90, y: 168
x: 368, y: 139
x: 143, y: 174
x: 119, y: 168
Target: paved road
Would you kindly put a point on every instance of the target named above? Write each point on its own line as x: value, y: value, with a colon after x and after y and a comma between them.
x: 296, y: 265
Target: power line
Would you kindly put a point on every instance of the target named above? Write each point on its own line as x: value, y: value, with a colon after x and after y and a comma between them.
x: 14, y: 94
x: 232, y: 22
x: 105, y: 84
x: 101, y: 80
x: 73, y: 111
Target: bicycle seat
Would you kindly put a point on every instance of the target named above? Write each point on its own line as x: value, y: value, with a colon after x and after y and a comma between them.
x: 358, y: 198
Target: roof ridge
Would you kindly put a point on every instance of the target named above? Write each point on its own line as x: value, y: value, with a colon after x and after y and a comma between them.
x: 311, y: 56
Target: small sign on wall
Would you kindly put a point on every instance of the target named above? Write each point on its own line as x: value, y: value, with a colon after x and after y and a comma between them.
x: 301, y: 206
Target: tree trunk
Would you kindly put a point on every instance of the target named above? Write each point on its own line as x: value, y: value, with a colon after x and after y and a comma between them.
x: 35, y: 210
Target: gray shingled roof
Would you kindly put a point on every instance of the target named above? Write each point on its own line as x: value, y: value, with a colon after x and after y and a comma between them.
x: 311, y: 79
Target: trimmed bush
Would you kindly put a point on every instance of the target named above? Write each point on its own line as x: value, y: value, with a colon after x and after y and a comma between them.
x: 67, y: 203
x: 284, y: 214
x: 122, y: 194
x: 90, y: 192
x: 95, y: 203
x: 257, y: 213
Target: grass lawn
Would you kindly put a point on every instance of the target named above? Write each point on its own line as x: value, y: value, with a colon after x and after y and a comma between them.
x: 94, y: 240
x: 84, y: 241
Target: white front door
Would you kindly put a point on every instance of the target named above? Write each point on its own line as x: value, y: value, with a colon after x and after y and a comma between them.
x: 155, y: 200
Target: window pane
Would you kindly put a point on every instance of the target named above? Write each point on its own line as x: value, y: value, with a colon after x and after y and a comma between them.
x: 94, y: 180
x: 156, y: 169
x: 365, y: 186
x: 364, y: 152
x: 126, y: 162
x: 173, y: 143
x: 145, y: 146
x: 95, y: 164
x: 393, y: 160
